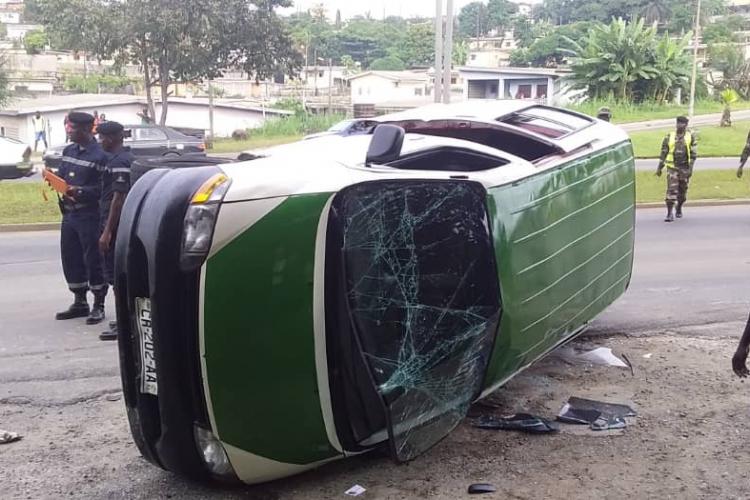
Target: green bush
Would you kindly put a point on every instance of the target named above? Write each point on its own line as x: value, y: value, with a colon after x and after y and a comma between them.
x: 95, y: 83
x: 298, y: 124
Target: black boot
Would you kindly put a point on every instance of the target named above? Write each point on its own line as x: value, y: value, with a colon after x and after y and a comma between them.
x: 97, y: 312
x: 678, y: 212
x: 669, y: 217
x: 79, y: 308
x: 110, y: 334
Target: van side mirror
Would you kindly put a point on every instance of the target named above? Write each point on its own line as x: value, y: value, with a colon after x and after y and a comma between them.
x: 385, y: 145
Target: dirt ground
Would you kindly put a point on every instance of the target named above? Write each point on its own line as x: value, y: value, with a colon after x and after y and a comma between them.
x: 689, y: 440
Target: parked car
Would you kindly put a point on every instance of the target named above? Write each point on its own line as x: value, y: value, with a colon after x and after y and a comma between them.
x: 347, y: 127
x: 334, y: 296
x: 15, y: 159
x: 144, y: 140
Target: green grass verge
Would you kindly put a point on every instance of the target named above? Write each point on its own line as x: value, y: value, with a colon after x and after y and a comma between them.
x: 628, y: 113
x: 705, y: 185
x: 22, y: 203
x: 232, y: 146
x: 712, y: 141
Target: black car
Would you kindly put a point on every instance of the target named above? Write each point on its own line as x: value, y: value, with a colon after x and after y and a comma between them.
x: 145, y: 141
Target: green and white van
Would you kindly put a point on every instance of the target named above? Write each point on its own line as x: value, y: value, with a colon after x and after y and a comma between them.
x: 340, y: 294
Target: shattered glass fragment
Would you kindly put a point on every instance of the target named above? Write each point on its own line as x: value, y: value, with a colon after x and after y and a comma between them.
x: 614, y: 409
x: 571, y: 415
x: 423, y: 300
x: 480, y: 488
x: 519, y: 422
x: 608, y: 423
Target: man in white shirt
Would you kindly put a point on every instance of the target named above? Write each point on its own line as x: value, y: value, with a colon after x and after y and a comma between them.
x: 40, y: 130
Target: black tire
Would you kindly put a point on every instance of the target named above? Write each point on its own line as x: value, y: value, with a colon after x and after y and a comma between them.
x: 143, y: 165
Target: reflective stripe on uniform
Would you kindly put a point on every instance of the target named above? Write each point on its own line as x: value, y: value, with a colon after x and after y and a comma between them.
x: 119, y: 170
x: 669, y: 162
x: 77, y: 286
x: 96, y: 287
x: 80, y: 163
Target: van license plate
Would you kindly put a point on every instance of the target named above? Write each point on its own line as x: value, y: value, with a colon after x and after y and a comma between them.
x: 149, y: 384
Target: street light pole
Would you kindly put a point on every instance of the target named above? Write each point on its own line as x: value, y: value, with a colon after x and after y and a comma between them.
x: 691, y: 108
x: 438, y: 89
x: 448, y: 53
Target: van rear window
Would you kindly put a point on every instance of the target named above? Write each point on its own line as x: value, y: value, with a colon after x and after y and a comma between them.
x: 548, y: 122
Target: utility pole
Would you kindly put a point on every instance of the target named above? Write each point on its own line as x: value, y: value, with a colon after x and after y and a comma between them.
x: 691, y: 108
x: 438, y: 90
x: 211, y: 110
x: 448, y: 53
x: 330, y: 85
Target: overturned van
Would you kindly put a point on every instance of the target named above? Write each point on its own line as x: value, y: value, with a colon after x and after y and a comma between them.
x: 345, y: 293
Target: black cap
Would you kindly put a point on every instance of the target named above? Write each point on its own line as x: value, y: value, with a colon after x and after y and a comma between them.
x: 682, y: 119
x: 81, y: 118
x: 110, y: 128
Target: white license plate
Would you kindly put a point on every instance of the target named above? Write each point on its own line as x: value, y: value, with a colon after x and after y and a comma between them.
x: 149, y: 383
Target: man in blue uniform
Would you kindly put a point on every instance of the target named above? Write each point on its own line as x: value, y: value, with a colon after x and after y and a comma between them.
x: 81, y: 167
x: 115, y: 186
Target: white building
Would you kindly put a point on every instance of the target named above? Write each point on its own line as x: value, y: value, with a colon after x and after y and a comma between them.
x: 491, y: 52
x: 18, y: 31
x: 8, y: 17
x: 375, y: 87
x: 15, y: 120
x: 540, y: 84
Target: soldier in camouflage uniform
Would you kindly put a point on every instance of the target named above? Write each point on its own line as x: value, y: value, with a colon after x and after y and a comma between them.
x: 678, y: 153
x: 744, y: 157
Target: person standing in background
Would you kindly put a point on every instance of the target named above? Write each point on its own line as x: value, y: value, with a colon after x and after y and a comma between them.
x: 40, y: 130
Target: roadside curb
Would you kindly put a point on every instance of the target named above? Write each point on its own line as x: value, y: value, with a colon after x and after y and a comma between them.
x: 697, y: 203
x: 25, y: 228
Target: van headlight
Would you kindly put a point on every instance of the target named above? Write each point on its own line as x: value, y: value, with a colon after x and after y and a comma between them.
x: 213, y: 454
x: 200, y: 221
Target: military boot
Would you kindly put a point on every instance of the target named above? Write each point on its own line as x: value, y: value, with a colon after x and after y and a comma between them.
x: 110, y: 334
x: 78, y: 309
x: 669, y: 217
x: 97, y: 312
x: 678, y: 211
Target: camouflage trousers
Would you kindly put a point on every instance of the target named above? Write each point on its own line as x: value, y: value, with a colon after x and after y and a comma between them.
x: 678, y: 180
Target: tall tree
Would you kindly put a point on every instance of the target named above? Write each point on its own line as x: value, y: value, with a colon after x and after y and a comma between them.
x: 501, y: 14
x: 177, y: 40
x: 474, y: 20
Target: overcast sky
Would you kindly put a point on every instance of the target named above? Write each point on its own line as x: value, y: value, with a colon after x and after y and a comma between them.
x: 351, y: 8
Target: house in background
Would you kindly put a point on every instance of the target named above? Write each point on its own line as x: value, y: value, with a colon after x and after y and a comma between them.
x: 491, y: 52
x: 540, y: 84
x: 374, y: 87
x: 229, y: 115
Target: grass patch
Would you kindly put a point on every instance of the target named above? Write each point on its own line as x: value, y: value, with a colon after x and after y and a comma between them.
x: 629, y: 112
x: 22, y: 203
x: 712, y: 141
x: 233, y: 146
x: 705, y: 185
x: 278, y: 131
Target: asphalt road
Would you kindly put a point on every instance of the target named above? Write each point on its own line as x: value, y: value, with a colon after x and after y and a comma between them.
x: 692, y: 275
x: 693, y: 272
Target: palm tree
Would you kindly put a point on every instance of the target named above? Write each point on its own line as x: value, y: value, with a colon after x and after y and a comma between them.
x: 656, y: 11
x: 613, y: 57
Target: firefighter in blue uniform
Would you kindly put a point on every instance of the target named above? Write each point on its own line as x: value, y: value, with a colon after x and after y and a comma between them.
x: 115, y: 186
x: 81, y: 167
